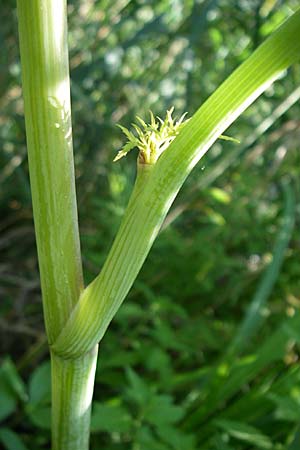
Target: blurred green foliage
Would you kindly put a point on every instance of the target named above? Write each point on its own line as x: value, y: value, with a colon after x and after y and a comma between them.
x: 169, y: 375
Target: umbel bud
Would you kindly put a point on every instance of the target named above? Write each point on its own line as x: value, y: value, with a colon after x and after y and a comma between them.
x: 151, y: 139
x: 154, y: 138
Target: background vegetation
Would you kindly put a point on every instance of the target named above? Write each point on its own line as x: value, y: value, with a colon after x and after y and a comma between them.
x: 205, y: 351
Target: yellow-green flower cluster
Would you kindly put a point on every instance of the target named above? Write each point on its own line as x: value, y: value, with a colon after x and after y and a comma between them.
x: 151, y: 139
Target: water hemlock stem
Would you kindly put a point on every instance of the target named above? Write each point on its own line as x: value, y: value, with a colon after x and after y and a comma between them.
x: 46, y: 92
x: 72, y: 391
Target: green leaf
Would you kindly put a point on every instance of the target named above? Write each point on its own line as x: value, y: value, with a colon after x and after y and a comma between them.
x: 245, y: 433
x: 40, y: 416
x: 218, y: 443
x: 127, y: 133
x: 162, y: 411
x: 8, y: 396
x: 110, y: 418
x: 12, y: 388
x: 142, y: 122
x: 138, y: 390
x: 40, y: 384
x: 287, y: 409
x: 176, y: 438
x: 127, y: 147
x: 295, y: 444
x: 10, y: 440
x: 229, y: 378
x: 11, y: 373
x: 147, y: 440
x: 38, y: 408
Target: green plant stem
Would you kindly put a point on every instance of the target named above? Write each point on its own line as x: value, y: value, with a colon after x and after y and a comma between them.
x: 72, y: 391
x: 121, y: 263
x: 46, y: 92
x: 143, y: 218
x: 233, y: 157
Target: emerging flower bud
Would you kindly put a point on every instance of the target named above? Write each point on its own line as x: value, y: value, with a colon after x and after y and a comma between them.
x: 152, y: 139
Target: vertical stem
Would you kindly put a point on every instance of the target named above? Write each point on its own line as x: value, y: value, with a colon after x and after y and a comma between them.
x: 46, y: 91
x: 72, y: 391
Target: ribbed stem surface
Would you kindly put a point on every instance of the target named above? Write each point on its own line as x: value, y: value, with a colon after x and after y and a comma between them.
x: 72, y: 391
x: 46, y: 92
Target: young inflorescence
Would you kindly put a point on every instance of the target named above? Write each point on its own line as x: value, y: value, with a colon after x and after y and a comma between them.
x: 151, y: 139
x: 154, y: 138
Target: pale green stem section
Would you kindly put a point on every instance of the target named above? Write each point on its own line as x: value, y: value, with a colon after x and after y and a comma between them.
x: 233, y: 156
x: 143, y: 218
x: 116, y: 271
x: 46, y: 91
x: 72, y: 391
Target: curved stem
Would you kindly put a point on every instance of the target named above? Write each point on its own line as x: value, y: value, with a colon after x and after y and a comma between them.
x: 122, y: 263
x: 143, y: 218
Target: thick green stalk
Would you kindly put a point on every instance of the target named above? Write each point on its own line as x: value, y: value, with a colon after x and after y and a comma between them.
x: 233, y: 157
x: 143, y: 218
x: 72, y: 391
x: 46, y: 91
